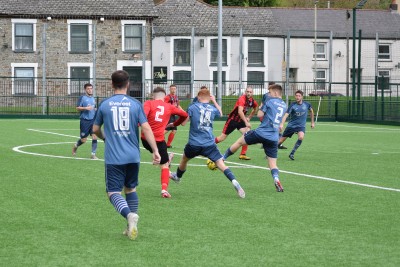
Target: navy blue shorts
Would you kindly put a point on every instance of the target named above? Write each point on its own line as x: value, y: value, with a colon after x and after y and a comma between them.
x: 210, y: 152
x: 86, y: 127
x: 118, y: 176
x: 289, y: 131
x: 162, y: 150
x: 270, y: 147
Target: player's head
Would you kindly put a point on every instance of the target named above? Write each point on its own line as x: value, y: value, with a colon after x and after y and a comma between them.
x: 172, y: 89
x: 275, y: 90
x: 204, y: 95
x: 88, y: 89
x: 299, y: 96
x: 120, y: 80
x: 249, y: 92
x: 159, y: 93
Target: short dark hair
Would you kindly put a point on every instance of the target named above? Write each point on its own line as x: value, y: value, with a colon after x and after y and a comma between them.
x: 87, y: 85
x: 159, y: 90
x: 172, y: 85
x: 299, y: 92
x: 275, y: 87
x: 120, y: 79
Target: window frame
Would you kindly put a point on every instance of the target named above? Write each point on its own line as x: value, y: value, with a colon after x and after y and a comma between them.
x: 261, y: 53
x: 78, y: 65
x: 178, y: 52
x: 382, y: 56
x: 320, y: 55
x: 317, y: 79
x: 33, y: 22
x: 33, y: 66
x: 224, y: 52
x: 89, y: 25
x: 132, y: 22
x: 387, y: 89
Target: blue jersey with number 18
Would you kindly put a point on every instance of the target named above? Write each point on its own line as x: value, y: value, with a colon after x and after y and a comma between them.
x: 201, y: 123
x: 120, y: 115
x: 274, y: 109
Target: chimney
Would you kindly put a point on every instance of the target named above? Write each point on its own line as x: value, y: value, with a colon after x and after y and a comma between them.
x: 393, y: 6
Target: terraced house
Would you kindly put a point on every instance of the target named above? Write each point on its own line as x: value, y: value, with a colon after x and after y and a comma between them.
x: 51, y: 47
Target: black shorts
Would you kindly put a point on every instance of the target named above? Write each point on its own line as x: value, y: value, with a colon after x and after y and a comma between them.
x: 171, y: 119
x: 162, y: 150
x: 231, y: 125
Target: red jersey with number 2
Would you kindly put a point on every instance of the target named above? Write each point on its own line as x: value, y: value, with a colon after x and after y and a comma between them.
x: 158, y: 113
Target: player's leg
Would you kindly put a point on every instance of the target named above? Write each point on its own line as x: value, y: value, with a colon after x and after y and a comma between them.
x: 84, y: 133
x: 298, y: 143
x: 132, y: 199
x: 229, y: 127
x: 271, y: 151
x: 94, y: 146
x: 213, y: 154
x: 164, y: 166
x: 188, y: 153
x: 244, y: 147
x: 171, y: 137
x: 282, y: 137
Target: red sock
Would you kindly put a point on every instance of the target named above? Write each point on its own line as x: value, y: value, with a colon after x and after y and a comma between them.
x: 170, y: 138
x: 216, y: 140
x: 244, y: 150
x: 164, y: 178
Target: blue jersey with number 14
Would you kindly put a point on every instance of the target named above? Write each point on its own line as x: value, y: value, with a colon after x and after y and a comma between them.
x: 201, y: 123
x: 121, y: 115
x: 274, y: 109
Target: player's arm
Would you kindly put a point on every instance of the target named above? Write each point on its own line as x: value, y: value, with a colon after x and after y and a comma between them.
x: 243, y: 117
x: 182, y: 116
x: 98, y: 132
x: 253, y: 111
x: 149, y: 136
x: 260, y: 114
x: 283, y: 120
x: 312, y: 117
x: 212, y: 98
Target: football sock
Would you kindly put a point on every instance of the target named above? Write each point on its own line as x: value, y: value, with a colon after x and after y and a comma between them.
x: 132, y: 200
x: 275, y: 173
x: 94, y: 146
x: 244, y: 150
x: 229, y: 174
x: 79, y: 143
x: 179, y: 173
x: 228, y: 153
x: 216, y: 140
x: 170, y: 138
x: 164, y: 178
x: 120, y: 204
x: 296, y: 146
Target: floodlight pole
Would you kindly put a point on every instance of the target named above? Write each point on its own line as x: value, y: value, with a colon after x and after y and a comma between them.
x: 315, y: 44
x: 219, y: 71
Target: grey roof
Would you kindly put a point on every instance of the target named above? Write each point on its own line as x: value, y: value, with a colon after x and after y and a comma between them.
x: 300, y: 22
x: 84, y: 8
x: 177, y: 17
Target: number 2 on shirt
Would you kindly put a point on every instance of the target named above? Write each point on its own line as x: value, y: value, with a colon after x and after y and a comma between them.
x: 120, y: 118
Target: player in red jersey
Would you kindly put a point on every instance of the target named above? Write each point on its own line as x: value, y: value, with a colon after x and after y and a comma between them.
x: 158, y: 114
x: 173, y: 99
x: 237, y: 119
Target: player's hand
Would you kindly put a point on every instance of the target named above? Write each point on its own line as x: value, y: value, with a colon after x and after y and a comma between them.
x: 248, y: 125
x: 312, y: 125
x: 169, y: 125
x: 156, y: 158
x: 212, y: 98
x: 89, y: 107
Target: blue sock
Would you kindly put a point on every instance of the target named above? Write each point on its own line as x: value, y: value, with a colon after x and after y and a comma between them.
x: 296, y: 146
x: 94, y: 146
x: 228, y: 153
x: 275, y: 173
x: 120, y: 204
x: 229, y: 174
x: 133, y: 201
x: 79, y: 143
x: 179, y: 173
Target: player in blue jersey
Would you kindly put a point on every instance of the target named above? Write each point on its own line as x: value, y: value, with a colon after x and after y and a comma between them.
x: 120, y: 116
x: 267, y: 133
x: 297, y: 124
x: 201, y: 138
x: 86, y: 105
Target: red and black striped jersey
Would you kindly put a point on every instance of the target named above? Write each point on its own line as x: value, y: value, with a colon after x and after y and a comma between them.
x: 246, y: 103
x: 172, y: 99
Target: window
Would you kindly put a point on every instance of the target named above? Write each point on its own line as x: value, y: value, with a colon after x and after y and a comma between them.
x: 255, y: 79
x: 24, y: 35
x: 78, y: 74
x: 214, y: 52
x: 182, y: 80
x: 79, y: 36
x: 24, y: 78
x: 320, y: 79
x: 320, y: 51
x: 133, y: 37
x: 256, y: 52
x: 383, y: 79
x: 132, y: 31
x: 384, y: 52
x: 182, y: 52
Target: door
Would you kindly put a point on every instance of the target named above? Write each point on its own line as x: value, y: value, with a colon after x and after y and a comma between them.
x: 135, y: 81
